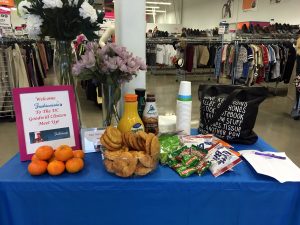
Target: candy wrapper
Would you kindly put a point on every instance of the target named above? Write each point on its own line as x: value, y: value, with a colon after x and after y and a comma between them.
x: 187, y: 161
x: 201, y: 141
x: 202, y: 167
x: 222, y: 159
x: 193, y: 150
x: 185, y: 171
x: 216, y: 141
x: 190, y: 161
x: 174, y: 164
x: 168, y: 144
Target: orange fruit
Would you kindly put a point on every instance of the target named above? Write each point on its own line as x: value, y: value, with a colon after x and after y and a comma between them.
x: 78, y: 154
x: 56, y: 168
x: 34, y: 157
x: 44, y: 152
x: 74, y: 165
x: 64, y: 153
x: 52, y: 158
x: 37, y: 167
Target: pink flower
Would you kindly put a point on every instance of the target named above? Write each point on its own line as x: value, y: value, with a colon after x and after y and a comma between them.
x: 111, y: 63
x: 104, y: 50
x: 91, y: 46
x: 141, y: 62
x: 80, y: 38
x: 124, y: 68
x: 120, y: 61
x: 131, y: 62
x: 77, y: 68
x: 109, y: 59
x: 88, y: 59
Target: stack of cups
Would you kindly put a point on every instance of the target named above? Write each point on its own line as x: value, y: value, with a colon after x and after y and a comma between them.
x: 184, y: 108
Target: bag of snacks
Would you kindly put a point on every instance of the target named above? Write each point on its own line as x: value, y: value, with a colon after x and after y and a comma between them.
x: 187, y: 161
x: 222, y: 159
x: 168, y: 144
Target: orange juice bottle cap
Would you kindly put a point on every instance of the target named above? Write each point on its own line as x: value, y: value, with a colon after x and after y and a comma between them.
x: 130, y: 98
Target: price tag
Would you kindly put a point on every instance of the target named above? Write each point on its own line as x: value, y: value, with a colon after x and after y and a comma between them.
x: 19, y: 31
x: 90, y: 139
x: 7, y: 31
x: 5, y: 18
x: 222, y: 30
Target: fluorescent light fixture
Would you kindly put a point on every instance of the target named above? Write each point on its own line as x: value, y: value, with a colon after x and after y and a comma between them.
x: 152, y: 7
x: 159, y: 3
x: 160, y: 11
x: 151, y: 14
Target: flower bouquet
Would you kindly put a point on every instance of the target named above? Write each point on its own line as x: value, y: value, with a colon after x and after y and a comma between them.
x: 110, y: 66
x: 63, y: 20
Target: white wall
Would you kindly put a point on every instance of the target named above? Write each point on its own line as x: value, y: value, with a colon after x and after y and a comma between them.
x: 202, y: 14
x: 206, y: 14
x: 173, y: 13
x: 15, y: 19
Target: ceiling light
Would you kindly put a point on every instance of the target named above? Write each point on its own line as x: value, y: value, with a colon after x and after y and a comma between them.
x: 159, y: 3
x: 160, y: 11
x: 150, y: 13
x: 152, y: 7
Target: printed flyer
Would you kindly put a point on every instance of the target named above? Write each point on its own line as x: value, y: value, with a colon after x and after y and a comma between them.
x: 46, y: 118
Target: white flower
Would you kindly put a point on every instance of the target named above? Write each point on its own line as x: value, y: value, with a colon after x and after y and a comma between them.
x: 34, y: 24
x: 73, y: 2
x: 23, y: 11
x: 86, y: 10
x: 50, y: 4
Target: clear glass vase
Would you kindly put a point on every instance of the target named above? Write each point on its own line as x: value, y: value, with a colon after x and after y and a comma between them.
x: 110, y: 97
x: 63, y: 63
x: 63, y: 68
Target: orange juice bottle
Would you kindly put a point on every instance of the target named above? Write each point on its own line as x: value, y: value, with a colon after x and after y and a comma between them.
x: 131, y: 120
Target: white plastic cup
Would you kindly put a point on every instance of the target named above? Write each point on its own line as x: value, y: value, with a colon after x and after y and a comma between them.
x: 185, y: 88
x: 184, y: 117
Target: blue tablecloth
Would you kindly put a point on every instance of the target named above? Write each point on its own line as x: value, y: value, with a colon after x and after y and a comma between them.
x: 93, y: 196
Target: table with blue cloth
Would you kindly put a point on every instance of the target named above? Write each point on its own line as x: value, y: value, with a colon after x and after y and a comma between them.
x: 93, y: 196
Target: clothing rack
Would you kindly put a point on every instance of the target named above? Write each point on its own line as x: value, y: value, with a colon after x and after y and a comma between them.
x: 6, y: 101
x: 261, y: 40
x: 245, y: 39
x: 181, y: 74
x: 171, y: 40
x: 266, y: 36
x: 12, y: 63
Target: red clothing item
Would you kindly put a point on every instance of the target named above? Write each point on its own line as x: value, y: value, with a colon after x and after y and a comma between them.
x: 265, y: 55
x: 261, y: 75
x: 189, y: 58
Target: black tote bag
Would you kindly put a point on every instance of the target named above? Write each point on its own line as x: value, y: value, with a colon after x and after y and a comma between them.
x: 229, y: 112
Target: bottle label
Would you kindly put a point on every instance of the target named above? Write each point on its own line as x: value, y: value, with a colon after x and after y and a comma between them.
x: 151, y: 125
x: 137, y: 127
x: 150, y: 110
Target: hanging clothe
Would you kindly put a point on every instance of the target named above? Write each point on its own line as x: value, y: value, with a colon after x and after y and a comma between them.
x: 298, y: 57
x: 290, y: 63
x: 218, y: 61
x: 19, y: 68
x: 43, y: 56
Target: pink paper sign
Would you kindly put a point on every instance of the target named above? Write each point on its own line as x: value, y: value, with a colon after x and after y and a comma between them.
x: 45, y: 116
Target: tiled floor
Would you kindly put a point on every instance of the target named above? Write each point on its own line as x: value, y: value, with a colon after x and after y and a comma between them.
x: 273, y: 123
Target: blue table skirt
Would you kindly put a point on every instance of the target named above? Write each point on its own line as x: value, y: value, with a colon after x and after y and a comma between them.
x: 93, y: 196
